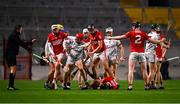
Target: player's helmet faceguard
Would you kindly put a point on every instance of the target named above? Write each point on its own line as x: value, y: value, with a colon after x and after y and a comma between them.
x: 109, y: 31
x: 136, y: 24
x: 55, y: 29
x: 85, y: 30
x: 91, y: 28
x: 54, y: 26
x: 155, y: 27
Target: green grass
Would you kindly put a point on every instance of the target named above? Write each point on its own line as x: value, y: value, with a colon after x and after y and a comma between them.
x: 33, y: 91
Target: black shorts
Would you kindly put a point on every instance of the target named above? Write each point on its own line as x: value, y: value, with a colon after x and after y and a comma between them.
x: 11, y: 59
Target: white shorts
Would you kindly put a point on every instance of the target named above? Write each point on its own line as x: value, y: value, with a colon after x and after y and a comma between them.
x: 139, y: 57
x: 72, y: 60
x: 62, y: 57
x: 101, y: 55
x: 150, y: 57
x: 112, y: 55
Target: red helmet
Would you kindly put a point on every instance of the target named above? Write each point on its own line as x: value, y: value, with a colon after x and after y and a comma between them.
x: 79, y: 36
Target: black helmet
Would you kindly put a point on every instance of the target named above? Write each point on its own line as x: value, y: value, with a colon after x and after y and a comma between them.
x: 91, y: 26
x: 154, y: 26
x: 136, y: 24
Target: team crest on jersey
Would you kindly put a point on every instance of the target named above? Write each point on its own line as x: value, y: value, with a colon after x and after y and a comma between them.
x: 94, y: 42
x: 57, y: 42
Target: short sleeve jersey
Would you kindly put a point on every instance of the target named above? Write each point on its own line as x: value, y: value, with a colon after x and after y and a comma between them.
x: 57, y: 42
x: 137, y: 40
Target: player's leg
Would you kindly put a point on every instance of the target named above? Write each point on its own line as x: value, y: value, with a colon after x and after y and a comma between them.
x: 145, y: 75
x: 80, y: 83
x: 94, y: 67
x: 105, y: 63
x: 158, y: 74
x: 161, y: 82
x: 50, y: 76
x: 67, y: 76
x: 57, y: 73
x: 152, y: 69
x: 159, y: 79
x: 152, y: 75
x: 114, y: 68
x: 79, y: 64
x: 132, y: 63
x: 86, y: 68
x: 142, y: 61
x: 74, y: 73
x: 68, y: 70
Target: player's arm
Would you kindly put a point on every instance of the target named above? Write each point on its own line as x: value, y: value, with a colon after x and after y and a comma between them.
x: 117, y: 37
x: 84, y: 45
x: 160, y: 42
x: 89, y: 48
x: 164, y: 50
x: 100, y: 44
x: 121, y: 50
x: 50, y: 48
x: 66, y: 46
x: 46, y: 49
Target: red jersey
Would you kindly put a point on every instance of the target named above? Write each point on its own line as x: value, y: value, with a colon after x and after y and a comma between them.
x: 111, y: 80
x: 159, y: 49
x: 95, y: 37
x: 137, y: 40
x: 86, y: 40
x: 57, y: 42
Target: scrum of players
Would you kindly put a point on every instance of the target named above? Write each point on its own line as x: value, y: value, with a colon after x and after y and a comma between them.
x: 83, y: 53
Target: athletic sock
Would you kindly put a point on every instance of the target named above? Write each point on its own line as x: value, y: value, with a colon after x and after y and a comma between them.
x: 10, y: 80
x: 14, y: 75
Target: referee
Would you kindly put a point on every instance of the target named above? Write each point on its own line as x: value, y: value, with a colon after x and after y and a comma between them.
x: 12, y: 50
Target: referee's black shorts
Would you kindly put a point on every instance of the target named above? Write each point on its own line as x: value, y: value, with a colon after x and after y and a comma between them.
x: 11, y: 59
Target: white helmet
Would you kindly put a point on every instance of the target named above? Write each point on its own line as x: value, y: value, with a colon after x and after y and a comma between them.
x: 54, y: 26
x: 85, y: 30
x: 109, y: 29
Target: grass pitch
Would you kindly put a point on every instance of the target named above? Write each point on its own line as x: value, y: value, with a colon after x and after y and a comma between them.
x: 33, y: 92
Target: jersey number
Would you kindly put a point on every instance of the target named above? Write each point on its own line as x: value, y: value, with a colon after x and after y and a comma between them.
x: 138, y: 39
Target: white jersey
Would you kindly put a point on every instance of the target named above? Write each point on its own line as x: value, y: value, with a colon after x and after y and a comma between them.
x: 112, y: 46
x: 72, y: 48
x: 150, y: 47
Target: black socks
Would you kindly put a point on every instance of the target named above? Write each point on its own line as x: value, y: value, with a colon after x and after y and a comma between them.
x: 11, y: 80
